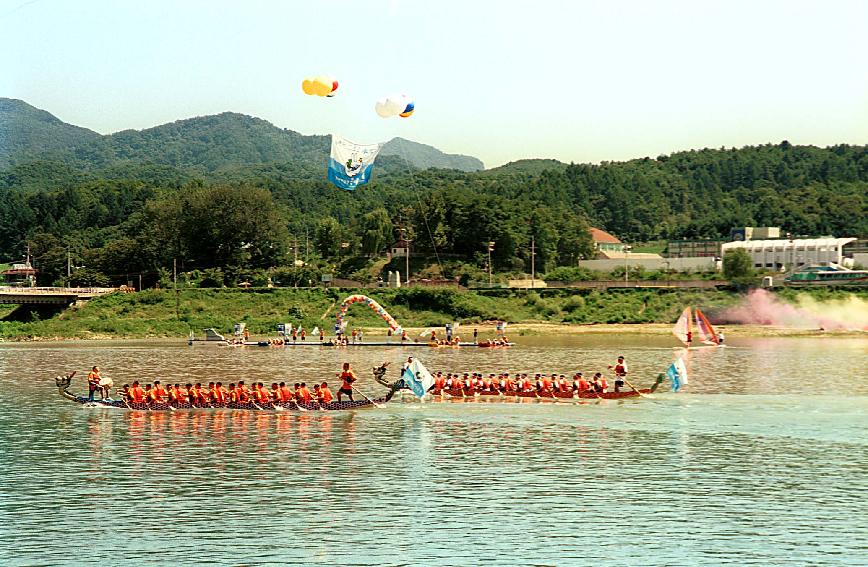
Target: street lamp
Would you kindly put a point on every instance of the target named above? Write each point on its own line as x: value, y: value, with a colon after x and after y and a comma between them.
x: 668, y: 273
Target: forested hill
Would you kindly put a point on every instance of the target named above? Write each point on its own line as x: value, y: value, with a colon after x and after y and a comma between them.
x: 234, y: 192
x: 201, y: 145
x: 27, y: 133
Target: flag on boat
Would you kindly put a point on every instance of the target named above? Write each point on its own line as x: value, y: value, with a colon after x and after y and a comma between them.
x: 350, y: 164
x: 417, y: 378
x: 677, y: 374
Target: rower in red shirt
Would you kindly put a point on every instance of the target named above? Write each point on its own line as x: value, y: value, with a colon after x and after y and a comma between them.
x: 547, y: 383
x: 600, y: 384
x: 160, y: 395
x: 180, y: 394
x: 285, y: 393
x: 563, y: 385
x: 195, y: 394
x: 440, y: 382
x: 220, y: 393
x: 325, y: 395
x: 137, y: 394
x: 304, y: 394
x: 580, y: 384
x: 260, y: 395
x: 508, y: 384
x: 242, y: 391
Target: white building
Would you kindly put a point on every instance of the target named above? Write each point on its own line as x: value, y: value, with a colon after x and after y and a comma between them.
x: 776, y: 254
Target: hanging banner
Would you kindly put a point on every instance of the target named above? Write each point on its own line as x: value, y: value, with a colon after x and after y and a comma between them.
x: 350, y: 164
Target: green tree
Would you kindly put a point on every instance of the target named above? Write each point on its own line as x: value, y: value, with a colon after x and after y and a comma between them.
x: 328, y: 237
x: 88, y: 277
x: 219, y: 226
x: 737, y: 264
x: 377, y: 231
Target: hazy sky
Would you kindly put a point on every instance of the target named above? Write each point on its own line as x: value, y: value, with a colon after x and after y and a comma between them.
x: 579, y: 81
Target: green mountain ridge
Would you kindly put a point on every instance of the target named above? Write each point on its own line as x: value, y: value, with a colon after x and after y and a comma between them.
x: 203, y: 144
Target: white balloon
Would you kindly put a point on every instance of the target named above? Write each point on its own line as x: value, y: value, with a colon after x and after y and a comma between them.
x: 395, y: 105
x: 382, y: 108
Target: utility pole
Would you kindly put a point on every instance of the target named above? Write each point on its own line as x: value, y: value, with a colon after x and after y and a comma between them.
x: 306, y: 246
x: 407, y: 262
x: 68, y: 265
x: 532, y: 262
x: 295, y: 252
x: 140, y: 281
x: 490, y: 249
x: 175, y: 284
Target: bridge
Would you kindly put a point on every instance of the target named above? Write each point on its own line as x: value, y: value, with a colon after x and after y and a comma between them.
x: 50, y: 295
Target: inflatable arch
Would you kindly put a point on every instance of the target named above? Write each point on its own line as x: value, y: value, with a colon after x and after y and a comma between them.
x: 342, y: 312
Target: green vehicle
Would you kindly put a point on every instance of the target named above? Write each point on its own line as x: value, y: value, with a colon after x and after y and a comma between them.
x: 827, y: 275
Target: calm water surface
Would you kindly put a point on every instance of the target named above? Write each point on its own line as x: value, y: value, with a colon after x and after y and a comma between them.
x: 764, y: 460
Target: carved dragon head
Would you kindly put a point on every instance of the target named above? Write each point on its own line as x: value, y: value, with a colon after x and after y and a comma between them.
x: 380, y: 373
x: 63, y: 382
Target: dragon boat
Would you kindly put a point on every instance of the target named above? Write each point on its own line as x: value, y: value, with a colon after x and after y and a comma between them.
x: 545, y: 395
x: 64, y: 382
x: 516, y: 395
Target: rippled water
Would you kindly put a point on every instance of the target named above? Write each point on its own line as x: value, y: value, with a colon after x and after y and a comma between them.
x: 763, y: 461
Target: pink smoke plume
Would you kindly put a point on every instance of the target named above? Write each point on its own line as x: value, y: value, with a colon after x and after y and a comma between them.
x: 762, y: 308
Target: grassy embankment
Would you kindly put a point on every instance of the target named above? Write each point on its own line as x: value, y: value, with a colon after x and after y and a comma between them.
x: 151, y: 313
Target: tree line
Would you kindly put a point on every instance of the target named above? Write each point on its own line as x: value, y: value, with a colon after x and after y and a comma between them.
x: 140, y: 218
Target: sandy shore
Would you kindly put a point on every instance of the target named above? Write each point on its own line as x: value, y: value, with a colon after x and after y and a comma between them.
x: 515, y: 330
x: 525, y: 329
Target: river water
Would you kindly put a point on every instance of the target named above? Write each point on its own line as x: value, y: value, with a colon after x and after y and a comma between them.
x: 762, y: 460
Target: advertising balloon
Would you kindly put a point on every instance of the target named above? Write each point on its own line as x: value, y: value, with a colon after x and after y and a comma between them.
x: 320, y: 85
x: 395, y: 105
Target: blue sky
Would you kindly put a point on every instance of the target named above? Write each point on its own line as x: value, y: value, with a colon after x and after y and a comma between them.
x: 582, y: 81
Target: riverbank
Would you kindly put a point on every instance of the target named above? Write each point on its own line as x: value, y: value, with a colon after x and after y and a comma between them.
x: 162, y: 314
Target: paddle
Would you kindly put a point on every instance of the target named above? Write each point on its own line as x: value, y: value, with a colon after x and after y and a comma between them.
x: 257, y: 406
x: 634, y: 387
x: 366, y: 397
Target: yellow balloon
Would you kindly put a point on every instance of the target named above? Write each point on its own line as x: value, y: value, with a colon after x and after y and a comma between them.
x: 322, y: 85
x: 308, y: 87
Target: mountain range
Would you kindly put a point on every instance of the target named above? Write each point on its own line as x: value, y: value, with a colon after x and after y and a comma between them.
x: 204, y: 145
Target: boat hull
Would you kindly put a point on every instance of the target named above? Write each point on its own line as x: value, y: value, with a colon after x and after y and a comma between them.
x: 545, y: 396
x: 247, y: 406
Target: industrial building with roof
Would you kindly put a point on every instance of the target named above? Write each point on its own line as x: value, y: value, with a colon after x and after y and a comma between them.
x: 778, y: 254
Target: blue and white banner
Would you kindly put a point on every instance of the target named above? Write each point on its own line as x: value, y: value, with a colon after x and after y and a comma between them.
x: 350, y: 164
x: 417, y: 378
x: 677, y: 374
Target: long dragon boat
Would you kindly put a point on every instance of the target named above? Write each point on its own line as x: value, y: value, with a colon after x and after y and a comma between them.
x: 545, y: 395
x: 63, y: 383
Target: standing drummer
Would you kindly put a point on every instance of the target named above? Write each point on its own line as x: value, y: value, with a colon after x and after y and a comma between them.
x: 620, y: 370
